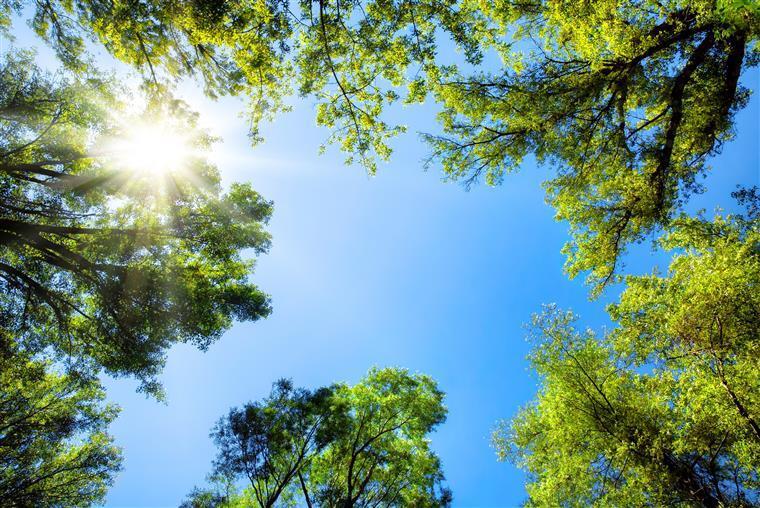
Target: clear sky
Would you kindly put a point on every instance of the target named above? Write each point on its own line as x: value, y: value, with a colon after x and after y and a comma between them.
x: 400, y: 269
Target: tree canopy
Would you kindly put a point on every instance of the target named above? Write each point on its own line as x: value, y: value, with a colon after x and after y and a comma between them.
x: 54, y: 449
x: 628, y: 98
x: 663, y: 409
x: 361, y: 445
x: 110, y: 253
x: 108, y: 265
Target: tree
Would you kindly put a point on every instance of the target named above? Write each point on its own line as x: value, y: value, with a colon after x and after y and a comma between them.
x: 364, y: 445
x: 628, y: 98
x: 105, y: 264
x: 662, y: 410
x: 266, y: 49
x: 382, y: 457
x: 54, y: 449
x: 270, y: 442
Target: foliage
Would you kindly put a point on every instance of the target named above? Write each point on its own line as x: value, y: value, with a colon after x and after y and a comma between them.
x: 664, y: 409
x: 350, y: 55
x: 363, y: 445
x: 628, y: 98
x: 105, y: 265
x: 54, y: 449
x: 269, y: 442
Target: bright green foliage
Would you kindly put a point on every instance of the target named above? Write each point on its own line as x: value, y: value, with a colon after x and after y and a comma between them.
x: 54, y: 449
x: 271, y: 442
x: 110, y: 265
x: 664, y: 409
x: 382, y: 454
x: 627, y: 97
x: 339, y: 446
x: 351, y: 56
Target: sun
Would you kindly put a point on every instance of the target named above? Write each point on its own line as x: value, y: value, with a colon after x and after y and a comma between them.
x: 152, y: 149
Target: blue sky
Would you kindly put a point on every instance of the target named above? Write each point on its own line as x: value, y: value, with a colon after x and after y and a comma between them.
x: 400, y: 269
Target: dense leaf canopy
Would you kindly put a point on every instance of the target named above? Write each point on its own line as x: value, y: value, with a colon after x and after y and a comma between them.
x: 54, y: 449
x: 104, y: 264
x: 664, y: 409
x: 339, y: 446
x: 270, y: 442
x: 628, y: 98
x: 109, y: 265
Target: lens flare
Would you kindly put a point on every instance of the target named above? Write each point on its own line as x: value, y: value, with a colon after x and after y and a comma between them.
x: 152, y: 149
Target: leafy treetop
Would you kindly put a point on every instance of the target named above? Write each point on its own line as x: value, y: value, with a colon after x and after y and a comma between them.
x: 54, y: 449
x: 108, y: 265
x: 628, y: 98
x: 664, y: 409
x: 344, y: 446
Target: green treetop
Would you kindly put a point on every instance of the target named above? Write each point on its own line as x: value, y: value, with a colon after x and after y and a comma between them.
x: 664, y: 409
x: 107, y: 260
x: 54, y: 449
x: 340, y: 446
x: 628, y: 98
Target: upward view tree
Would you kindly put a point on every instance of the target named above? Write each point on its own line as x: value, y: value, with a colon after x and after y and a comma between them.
x: 272, y: 442
x: 664, y: 409
x: 629, y: 98
x: 382, y: 457
x: 104, y: 265
x: 339, y: 446
x: 54, y: 449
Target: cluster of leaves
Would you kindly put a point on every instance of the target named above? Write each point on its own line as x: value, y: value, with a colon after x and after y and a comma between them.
x: 350, y: 55
x: 105, y: 266
x: 664, y: 409
x: 102, y: 268
x: 362, y: 445
x: 54, y: 449
x: 628, y: 98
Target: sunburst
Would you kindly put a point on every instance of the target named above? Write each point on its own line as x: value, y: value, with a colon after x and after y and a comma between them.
x: 155, y: 149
